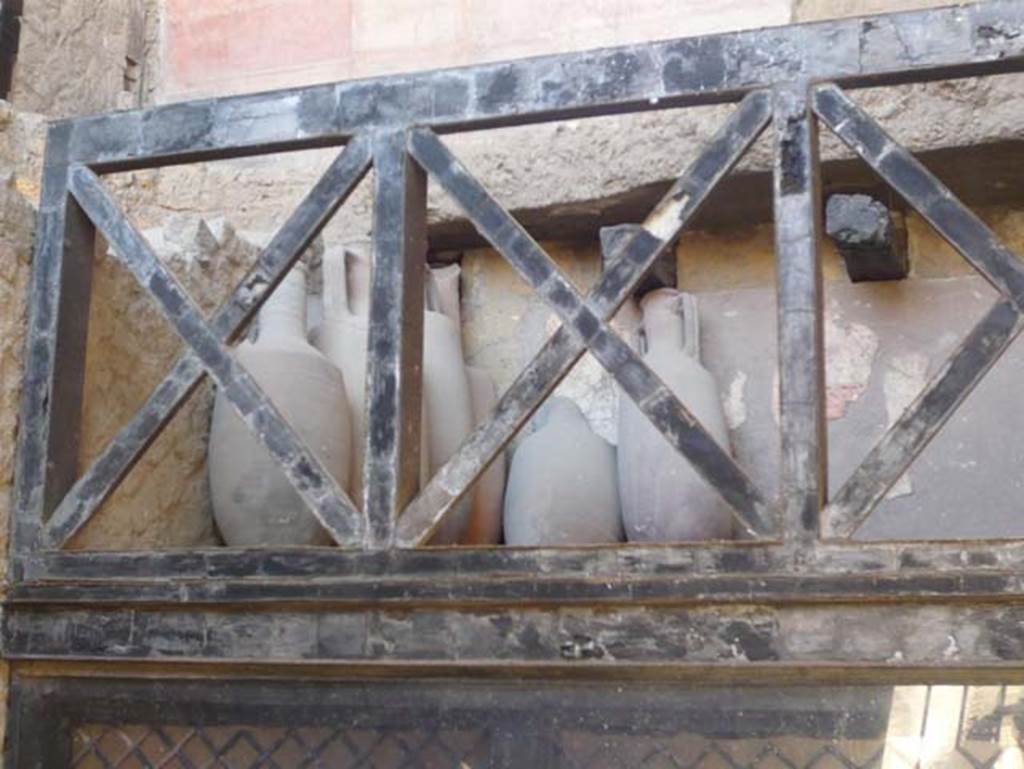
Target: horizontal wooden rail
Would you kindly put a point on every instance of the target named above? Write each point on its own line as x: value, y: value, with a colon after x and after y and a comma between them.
x: 959, y: 41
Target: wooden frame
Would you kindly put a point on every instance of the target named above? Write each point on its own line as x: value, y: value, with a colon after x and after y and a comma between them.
x: 802, y: 552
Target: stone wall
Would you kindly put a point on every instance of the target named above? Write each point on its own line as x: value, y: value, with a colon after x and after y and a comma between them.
x: 22, y: 140
x: 164, y: 501
x: 83, y: 56
x: 17, y: 222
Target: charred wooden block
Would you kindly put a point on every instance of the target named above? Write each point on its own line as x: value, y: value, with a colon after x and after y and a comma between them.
x: 871, y: 245
x: 10, y: 33
x: 661, y: 275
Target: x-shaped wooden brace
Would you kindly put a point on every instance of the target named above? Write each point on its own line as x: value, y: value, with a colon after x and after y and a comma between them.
x: 585, y: 326
x: 206, y: 352
x: 921, y: 421
x: 632, y: 259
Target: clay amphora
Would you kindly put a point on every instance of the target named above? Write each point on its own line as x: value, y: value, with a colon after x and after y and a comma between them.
x: 562, y: 486
x: 253, y: 501
x: 663, y: 497
x: 447, y: 401
x: 342, y: 338
x: 488, y: 493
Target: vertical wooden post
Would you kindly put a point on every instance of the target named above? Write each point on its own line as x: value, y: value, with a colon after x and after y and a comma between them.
x: 58, y: 320
x: 395, y: 343
x: 801, y: 346
x: 39, y: 735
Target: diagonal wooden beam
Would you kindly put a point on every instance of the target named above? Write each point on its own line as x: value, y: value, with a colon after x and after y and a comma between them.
x: 326, y: 500
x: 907, y: 438
x: 591, y: 330
x: 120, y: 455
x: 923, y: 191
x: 632, y: 258
x: 797, y: 195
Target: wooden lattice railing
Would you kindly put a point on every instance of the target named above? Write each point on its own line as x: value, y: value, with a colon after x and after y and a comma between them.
x: 791, y: 78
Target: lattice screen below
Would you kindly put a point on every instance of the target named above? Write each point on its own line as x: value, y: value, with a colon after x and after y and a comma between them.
x: 952, y: 727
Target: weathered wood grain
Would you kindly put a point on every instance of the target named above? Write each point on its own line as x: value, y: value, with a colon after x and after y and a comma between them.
x: 394, y: 370
x: 797, y: 192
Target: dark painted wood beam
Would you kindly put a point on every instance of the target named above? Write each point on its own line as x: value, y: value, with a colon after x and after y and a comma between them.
x: 394, y: 372
x: 188, y: 570
x: 886, y: 49
x: 587, y: 641
x: 58, y: 322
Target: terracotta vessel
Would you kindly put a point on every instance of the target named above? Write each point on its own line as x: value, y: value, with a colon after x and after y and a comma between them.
x: 663, y: 497
x: 447, y: 402
x: 442, y: 292
x: 342, y: 338
x: 253, y: 501
x: 488, y: 493
x: 562, y: 487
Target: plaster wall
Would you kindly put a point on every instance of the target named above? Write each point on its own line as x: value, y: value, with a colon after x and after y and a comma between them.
x: 221, y: 46
x: 82, y: 56
x: 17, y: 223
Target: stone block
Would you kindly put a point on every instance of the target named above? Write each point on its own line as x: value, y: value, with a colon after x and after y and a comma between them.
x: 73, y: 56
x: 863, y: 230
